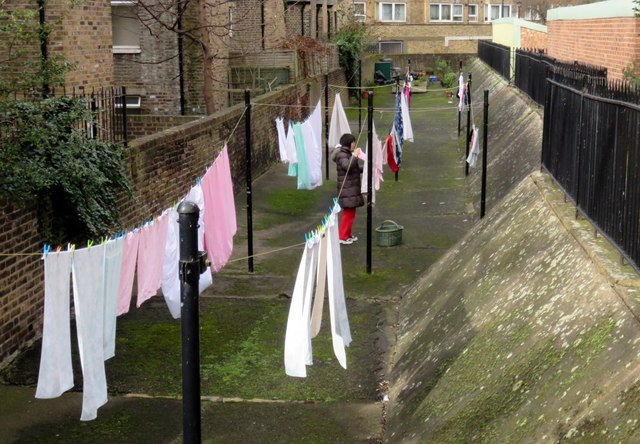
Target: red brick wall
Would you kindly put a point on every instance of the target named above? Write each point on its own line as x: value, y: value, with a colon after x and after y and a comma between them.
x: 162, y: 168
x: 532, y: 39
x: 611, y: 42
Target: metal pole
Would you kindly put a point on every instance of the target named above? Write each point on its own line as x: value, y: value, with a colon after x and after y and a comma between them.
x: 94, y: 116
x: 188, y: 213
x: 459, y: 111
x: 397, y: 90
x: 326, y: 125
x: 359, y: 96
x: 369, y: 177
x: 247, y: 138
x: 483, y: 193
x: 466, y: 165
x: 125, y: 128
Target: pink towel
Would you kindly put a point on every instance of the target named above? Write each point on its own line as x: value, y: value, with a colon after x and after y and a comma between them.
x: 129, y: 255
x: 220, y: 217
x: 153, y: 239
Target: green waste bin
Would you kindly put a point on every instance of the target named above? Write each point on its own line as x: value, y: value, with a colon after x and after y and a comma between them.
x: 384, y: 68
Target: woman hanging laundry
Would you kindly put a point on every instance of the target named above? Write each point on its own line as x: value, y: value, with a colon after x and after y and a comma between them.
x: 349, y: 185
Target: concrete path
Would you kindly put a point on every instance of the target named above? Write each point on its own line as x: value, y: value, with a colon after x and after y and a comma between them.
x: 247, y: 397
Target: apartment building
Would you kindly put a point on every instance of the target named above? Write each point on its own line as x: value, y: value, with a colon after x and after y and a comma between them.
x: 430, y: 27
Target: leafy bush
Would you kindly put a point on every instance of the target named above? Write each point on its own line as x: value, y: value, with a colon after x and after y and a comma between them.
x: 47, y: 158
x: 351, y: 41
x: 449, y: 79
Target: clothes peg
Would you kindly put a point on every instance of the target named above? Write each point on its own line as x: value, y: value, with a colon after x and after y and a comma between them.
x: 46, y: 249
x: 59, y: 249
x: 89, y: 243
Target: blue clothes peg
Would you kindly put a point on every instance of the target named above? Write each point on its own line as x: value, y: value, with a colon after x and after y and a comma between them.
x: 46, y: 249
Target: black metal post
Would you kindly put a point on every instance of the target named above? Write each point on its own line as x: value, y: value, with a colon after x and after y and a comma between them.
x: 459, y: 111
x: 44, y: 37
x: 359, y: 96
x: 125, y: 127
x: 409, y: 67
x: 188, y: 213
x: 247, y: 138
x: 94, y: 116
x: 578, y: 149
x: 483, y: 193
x: 466, y: 165
x: 369, y: 177
x: 326, y: 125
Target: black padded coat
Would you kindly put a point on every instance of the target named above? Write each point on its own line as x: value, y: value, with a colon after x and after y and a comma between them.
x: 351, y: 197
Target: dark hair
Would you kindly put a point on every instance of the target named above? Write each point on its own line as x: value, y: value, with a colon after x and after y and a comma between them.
x: 347, y: 139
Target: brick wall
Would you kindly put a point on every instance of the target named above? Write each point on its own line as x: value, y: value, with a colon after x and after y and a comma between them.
x: 532, y: 39
x: 431, y: 39
x: 83, y: 35
x: 146, y: 125
x: 162, y: 168
x: 611, y: 42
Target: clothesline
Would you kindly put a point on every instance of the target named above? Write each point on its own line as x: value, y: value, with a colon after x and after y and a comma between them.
x: 392, y: 85
x: 355, y: 107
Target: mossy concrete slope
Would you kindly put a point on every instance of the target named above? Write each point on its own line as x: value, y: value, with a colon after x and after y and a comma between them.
x: 527, y: 330
x: 514, y: 136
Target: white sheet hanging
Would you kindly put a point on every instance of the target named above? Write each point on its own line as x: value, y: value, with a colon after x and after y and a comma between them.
x: 312, y: 134
x: 112, y: 268
x: 474, y: 149
x: 340, y: 331
x: 56, y: 373
x: 406, y: 119
x: 297, y: 338
x: 88, y: 300
x: 339, y: 124
x: 378, y: 156
x: 290, y: 145
x: 282, y: 140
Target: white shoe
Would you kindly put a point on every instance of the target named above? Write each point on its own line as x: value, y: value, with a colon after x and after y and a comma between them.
x: 353, y: 239
x: 346, y: 242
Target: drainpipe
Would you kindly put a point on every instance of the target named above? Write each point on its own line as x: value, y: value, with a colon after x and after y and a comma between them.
x: 181, y: 58
x: 302, y: 19
x: 43, y: 44
x: 262, y: 22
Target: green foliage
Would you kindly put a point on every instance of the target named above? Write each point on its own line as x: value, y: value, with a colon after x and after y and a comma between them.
x: 46, y: 157
x: 351, y: 41
x: 631, y: 73
x: 449, y: 79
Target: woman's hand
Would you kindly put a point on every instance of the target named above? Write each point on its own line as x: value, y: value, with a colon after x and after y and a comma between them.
x: 357, y: 152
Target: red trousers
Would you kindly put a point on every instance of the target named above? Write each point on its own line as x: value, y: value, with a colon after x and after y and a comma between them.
x: 346, y: 222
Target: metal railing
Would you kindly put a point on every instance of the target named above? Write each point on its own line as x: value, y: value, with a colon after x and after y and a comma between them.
x: 108, y: 117
x: 496, y: 56
x: 533, y: 67
x: 591, y: 147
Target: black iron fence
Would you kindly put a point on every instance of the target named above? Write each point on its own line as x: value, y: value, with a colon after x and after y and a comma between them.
x: 533, y: 67
x: 108, y: 117
x: 591, y: 147
x: 496, y: 56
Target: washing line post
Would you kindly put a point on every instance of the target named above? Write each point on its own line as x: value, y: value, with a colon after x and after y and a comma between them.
x: 247, y: 139
x: 369, y: 177
x: 359, y: 96
x: 192, y: 263
x: 459, y: 110
x: 485, y: 128
x: 466, y: 165
x: 326, y: 125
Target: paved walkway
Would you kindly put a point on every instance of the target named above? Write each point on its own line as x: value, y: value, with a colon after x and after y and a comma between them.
x: 243, y: 317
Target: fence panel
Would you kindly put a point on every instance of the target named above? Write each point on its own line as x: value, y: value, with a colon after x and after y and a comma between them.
x: 591, y: 147
x: 496, y: 56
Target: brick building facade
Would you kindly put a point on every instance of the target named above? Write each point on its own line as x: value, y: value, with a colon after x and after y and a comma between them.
x: 604, y: 33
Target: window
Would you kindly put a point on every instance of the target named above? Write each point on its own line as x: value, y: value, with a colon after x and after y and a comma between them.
x: 442, y: 12
x: 492, y: 12
x: 131, y: 101
x: 457, y: 13
x: 360, y: 11
x: 473, y: 13
x: 392, y: 12
x: 386, y: 47
x: 125, y: 27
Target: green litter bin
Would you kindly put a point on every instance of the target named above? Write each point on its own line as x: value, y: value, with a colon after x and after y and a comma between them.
x: 389, y: 234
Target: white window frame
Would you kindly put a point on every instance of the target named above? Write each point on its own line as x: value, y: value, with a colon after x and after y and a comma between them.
x: 137, y: 103
x: 459, y: 16
x: 487, y: 11
x: 393, y: 12
x: 125, y: 49
x: 474, y: 17
x: 360, y: 17
x: 452, y: 16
